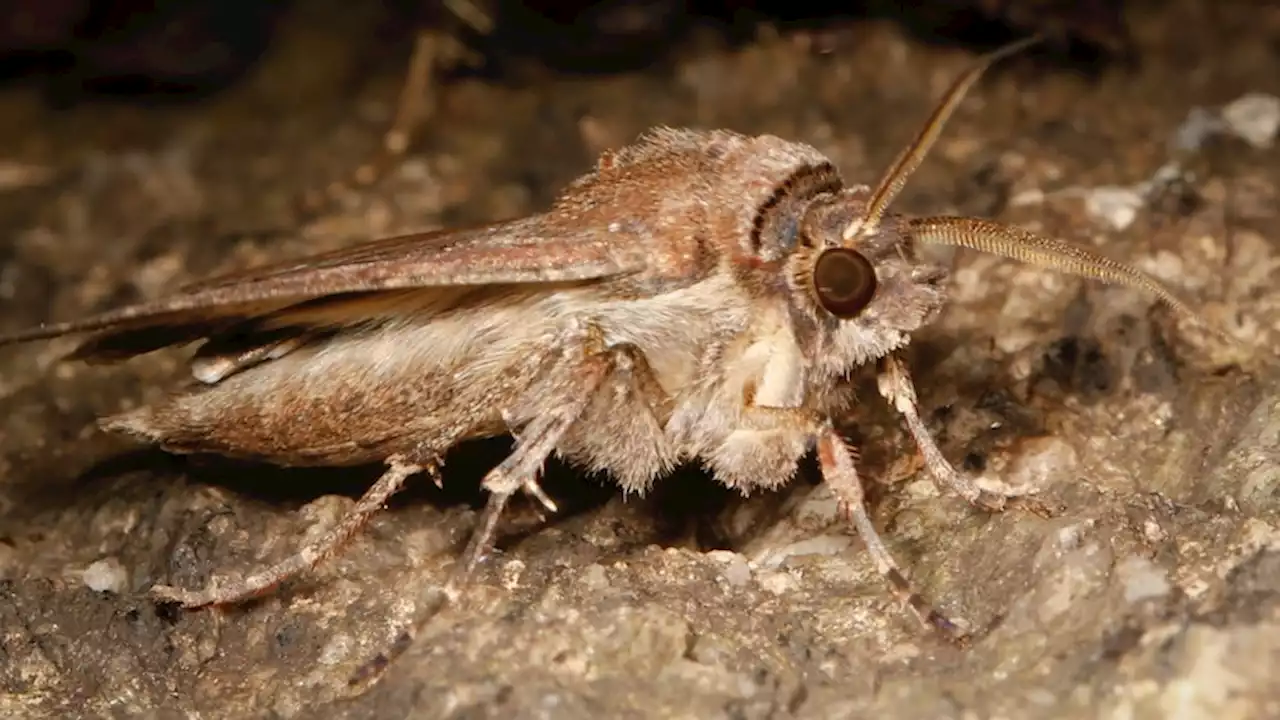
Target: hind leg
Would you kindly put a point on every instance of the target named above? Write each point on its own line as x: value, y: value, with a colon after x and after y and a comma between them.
x: 222, y: 591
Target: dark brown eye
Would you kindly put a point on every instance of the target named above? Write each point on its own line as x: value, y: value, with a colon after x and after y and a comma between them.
x: 844, y: 282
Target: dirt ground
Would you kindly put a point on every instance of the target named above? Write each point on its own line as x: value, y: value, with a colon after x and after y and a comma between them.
x: 1154, y: 593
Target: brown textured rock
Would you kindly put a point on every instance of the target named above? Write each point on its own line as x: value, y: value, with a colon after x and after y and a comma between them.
x: 1153, y: 593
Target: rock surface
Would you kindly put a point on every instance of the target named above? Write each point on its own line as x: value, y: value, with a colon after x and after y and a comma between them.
x: 1154, y: 593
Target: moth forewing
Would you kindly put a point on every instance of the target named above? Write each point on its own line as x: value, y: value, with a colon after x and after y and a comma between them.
x: 524, y: 251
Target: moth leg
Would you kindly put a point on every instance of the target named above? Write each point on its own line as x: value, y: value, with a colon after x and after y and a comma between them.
x: 531, y: 487
x: 534, y: 490
x: 894, y: 383
x: 213, y: 369
x: 628, y: 367
x: 517, y: 471
x: 221, y: 591
x: 538, y: 440
x: 838, y: 472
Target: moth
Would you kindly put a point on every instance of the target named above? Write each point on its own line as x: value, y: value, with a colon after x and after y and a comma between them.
x: 698, y: 296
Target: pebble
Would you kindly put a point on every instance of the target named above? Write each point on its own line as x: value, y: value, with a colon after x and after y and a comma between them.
x: 106, y: 575
x: 1254, y: 118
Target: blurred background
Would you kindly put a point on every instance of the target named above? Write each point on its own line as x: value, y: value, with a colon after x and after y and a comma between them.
x: 75, y: 49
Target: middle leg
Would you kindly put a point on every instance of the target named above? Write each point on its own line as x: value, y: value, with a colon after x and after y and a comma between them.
x: 573, y: 381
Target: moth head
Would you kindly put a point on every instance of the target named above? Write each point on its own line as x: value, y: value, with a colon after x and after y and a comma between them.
x: 853, y: 267
x: 870, y: 293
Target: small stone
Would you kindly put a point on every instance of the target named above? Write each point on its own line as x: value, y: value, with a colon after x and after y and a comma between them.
x: 1254, y: 118
x: 1143, y: 580
x: 1200, y: 125
x: 736, y: 571
x: 819, y: 545
x: 512, y: 572
x: 777, y: 583
x: 595, y: 577
x: 1152, y: 532
x: 1116, y: 206
x: 336, y: 651
x: 106, y: 575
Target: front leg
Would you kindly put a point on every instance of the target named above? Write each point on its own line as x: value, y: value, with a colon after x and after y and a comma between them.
x: 835, y: 457
x: 894, y: 382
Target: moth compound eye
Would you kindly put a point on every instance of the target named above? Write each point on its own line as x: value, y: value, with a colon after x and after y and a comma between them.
x: 844, y: 282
